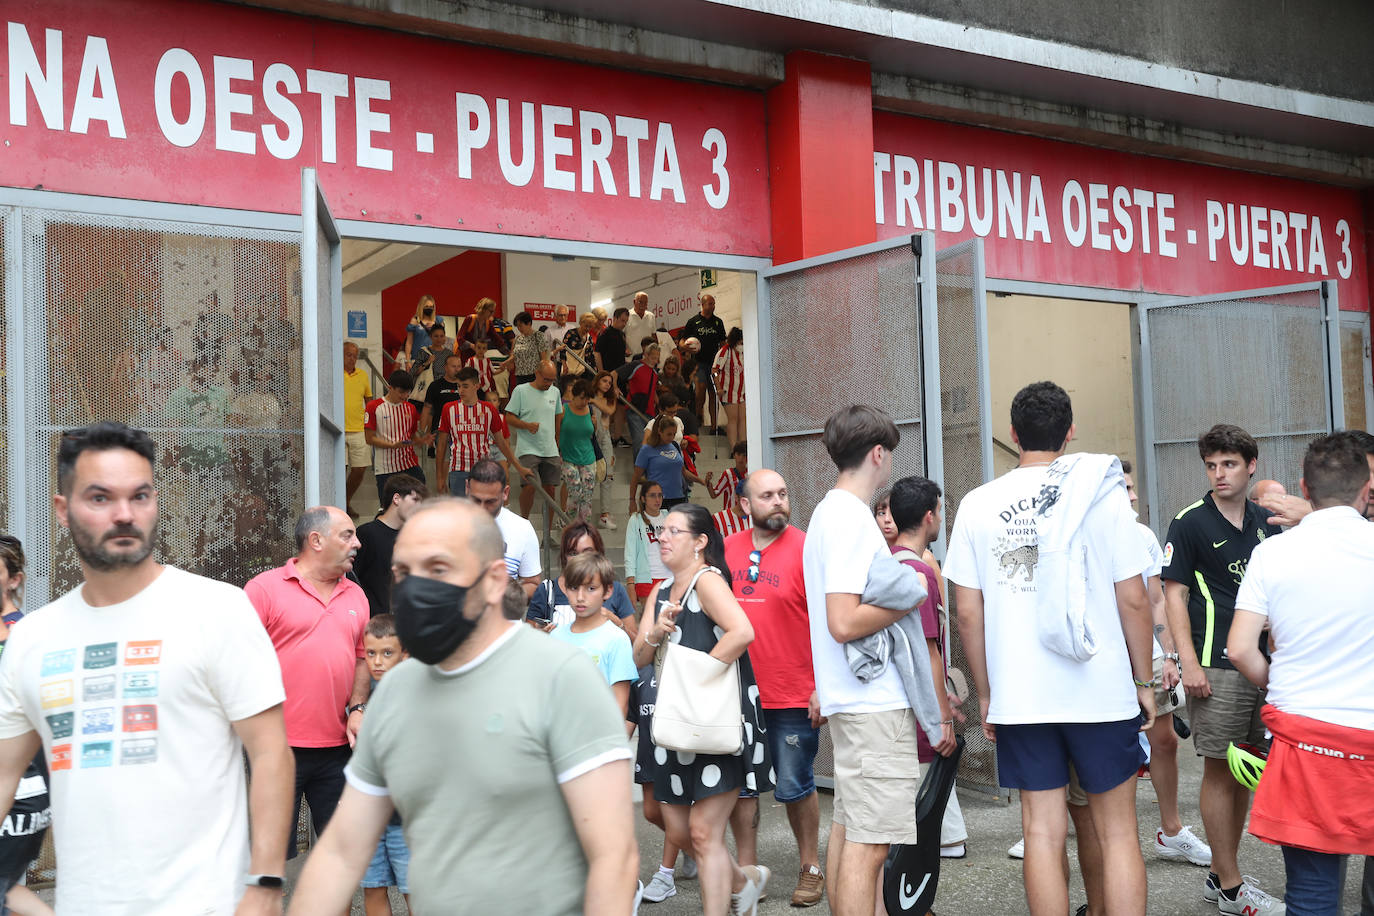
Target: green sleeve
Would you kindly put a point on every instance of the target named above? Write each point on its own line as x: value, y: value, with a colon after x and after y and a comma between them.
x: 584, y: 723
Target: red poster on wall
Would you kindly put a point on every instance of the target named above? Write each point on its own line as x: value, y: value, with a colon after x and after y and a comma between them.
x: 222, y: 104
x: 1066, y: 213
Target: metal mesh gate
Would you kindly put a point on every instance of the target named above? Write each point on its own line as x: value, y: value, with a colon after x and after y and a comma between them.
x: 191, y: 333
x: 966, y: 445
x: 1262, y: 361
x: 840, y: 330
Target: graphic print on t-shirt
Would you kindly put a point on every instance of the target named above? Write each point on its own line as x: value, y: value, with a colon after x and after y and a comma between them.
x: 99, y: 730
x: 1016, y: 549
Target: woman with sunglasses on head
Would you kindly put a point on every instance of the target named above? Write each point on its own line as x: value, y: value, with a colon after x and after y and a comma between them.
x: 697, y: 792
x: 21, y: 841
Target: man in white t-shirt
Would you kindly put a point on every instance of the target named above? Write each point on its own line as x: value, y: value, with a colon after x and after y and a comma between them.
x: 872, y: 725
x: 144, y: 686
x: 1048, y: 711
x: 1311, y: 587
x: 489, y: 488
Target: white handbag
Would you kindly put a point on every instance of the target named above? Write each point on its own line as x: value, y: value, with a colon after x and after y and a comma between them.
x: 698, y: 707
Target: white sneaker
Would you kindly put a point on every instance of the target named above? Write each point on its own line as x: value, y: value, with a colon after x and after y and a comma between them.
x: 607, y: 522
x: 688, y: 871
x: 1182, y: 845
x: 1019, y: 850
x: 746, y: 902
x: 955, y: 851
x: 660, y: 888
x: 1251, y: 901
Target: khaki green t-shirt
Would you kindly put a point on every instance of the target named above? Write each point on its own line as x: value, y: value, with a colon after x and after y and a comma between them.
x: 473, y: 760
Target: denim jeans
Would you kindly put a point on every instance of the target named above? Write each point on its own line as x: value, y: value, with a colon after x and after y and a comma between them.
x: 1315, y: 880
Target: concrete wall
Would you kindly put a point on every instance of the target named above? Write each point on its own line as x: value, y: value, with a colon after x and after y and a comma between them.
x: 1085, y: 347
x: 1318, y: 47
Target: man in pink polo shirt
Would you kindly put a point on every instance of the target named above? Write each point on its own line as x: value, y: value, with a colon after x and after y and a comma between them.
x: 315, y: 616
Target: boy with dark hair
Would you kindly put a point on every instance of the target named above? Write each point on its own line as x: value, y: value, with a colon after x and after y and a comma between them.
x: 376, y: 539
x: 471, y: 425
x: 391, y: 424
x: 391, y: 862
x: 1046, y: 565
x: 731, y: 478
x: 914, y: 505
x: 1205, y: 555
x: 867, y: 720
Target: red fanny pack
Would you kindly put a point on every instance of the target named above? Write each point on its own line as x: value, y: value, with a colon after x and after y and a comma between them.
x: 1317, y: 792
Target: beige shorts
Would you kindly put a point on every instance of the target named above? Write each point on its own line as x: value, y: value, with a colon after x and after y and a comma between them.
x: 1231, y: 713
x: 876, y: 775
x: 359, y: 452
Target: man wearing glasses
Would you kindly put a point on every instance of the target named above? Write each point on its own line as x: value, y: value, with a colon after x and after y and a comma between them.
x: 766, y: 562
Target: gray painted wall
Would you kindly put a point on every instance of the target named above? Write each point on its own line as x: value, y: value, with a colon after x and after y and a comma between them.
x: 1320, y: 46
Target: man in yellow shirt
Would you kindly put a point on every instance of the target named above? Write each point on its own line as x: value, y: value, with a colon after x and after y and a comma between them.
x: 357, y: 392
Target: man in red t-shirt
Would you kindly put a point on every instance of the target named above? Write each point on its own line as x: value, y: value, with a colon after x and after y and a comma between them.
x: 914, y: 504
x: 766, y: 564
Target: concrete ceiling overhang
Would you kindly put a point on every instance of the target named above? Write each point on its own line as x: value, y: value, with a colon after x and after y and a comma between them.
x: 920, y: 65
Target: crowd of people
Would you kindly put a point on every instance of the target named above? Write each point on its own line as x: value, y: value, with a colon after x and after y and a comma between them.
x: 371, y: 676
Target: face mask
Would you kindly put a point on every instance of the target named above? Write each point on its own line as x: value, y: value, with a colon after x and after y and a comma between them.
x: 429, y: 617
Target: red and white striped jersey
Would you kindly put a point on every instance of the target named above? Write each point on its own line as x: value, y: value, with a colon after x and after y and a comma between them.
x: 486, y: 372
x: 729, y: 372
x: 396, y: 422
x: 729, y: 522
x: 472, y: 430
x: 725, y: 487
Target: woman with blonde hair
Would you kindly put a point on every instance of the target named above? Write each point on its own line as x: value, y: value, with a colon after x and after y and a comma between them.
x: 480, y: 325
x: 419, y: 329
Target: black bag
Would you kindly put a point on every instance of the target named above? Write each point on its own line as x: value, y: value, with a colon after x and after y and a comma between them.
x: 912, y: 873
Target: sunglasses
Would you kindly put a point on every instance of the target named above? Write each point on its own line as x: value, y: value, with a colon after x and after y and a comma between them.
x: 754, y: 558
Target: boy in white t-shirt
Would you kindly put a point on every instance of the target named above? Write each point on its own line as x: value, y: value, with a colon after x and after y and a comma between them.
x: 872, y: 725
x: 1045, y: 710
x: 589, y: 579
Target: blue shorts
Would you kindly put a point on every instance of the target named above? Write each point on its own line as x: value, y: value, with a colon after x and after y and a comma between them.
x: 1037, y: 757
x: 793, y: 742
x: 391, y: 862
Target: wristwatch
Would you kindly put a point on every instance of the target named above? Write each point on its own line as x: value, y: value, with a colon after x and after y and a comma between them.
x: 276, y: 881
x: 1173, y: 656
x: 356, y: 707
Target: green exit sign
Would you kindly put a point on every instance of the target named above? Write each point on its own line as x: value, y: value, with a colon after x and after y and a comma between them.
x: 708, y: 278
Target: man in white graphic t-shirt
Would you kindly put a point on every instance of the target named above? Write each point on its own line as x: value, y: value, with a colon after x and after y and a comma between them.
x: 872, y: 724
x: 1046, y: 564
x: 144, y: 686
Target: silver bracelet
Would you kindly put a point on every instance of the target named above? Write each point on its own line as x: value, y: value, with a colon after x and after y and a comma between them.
x: 654, y: 644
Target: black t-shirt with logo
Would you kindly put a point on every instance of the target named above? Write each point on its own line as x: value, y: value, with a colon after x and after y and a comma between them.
x: 440, y: 393
x: 711, y: 333
x: 1208, y: 554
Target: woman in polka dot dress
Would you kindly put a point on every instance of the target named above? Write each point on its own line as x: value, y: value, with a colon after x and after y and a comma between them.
x: 698, y: 791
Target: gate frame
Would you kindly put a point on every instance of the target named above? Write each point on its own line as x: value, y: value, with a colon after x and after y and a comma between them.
x: 1145, y: 417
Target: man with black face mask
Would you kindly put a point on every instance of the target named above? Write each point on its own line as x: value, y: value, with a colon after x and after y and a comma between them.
x: 467, y: 760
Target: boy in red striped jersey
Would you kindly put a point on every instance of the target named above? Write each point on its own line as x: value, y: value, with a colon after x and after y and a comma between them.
x: 391, y: 425
x: 471, y: 425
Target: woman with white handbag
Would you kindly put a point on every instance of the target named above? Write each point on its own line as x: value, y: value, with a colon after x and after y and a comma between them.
x: 707, y: 725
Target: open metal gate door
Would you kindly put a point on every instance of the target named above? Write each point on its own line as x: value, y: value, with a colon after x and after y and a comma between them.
x: 1268, y: 361
x: 961, y: 417
x: 321, y: 348
x: 840, y: 329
